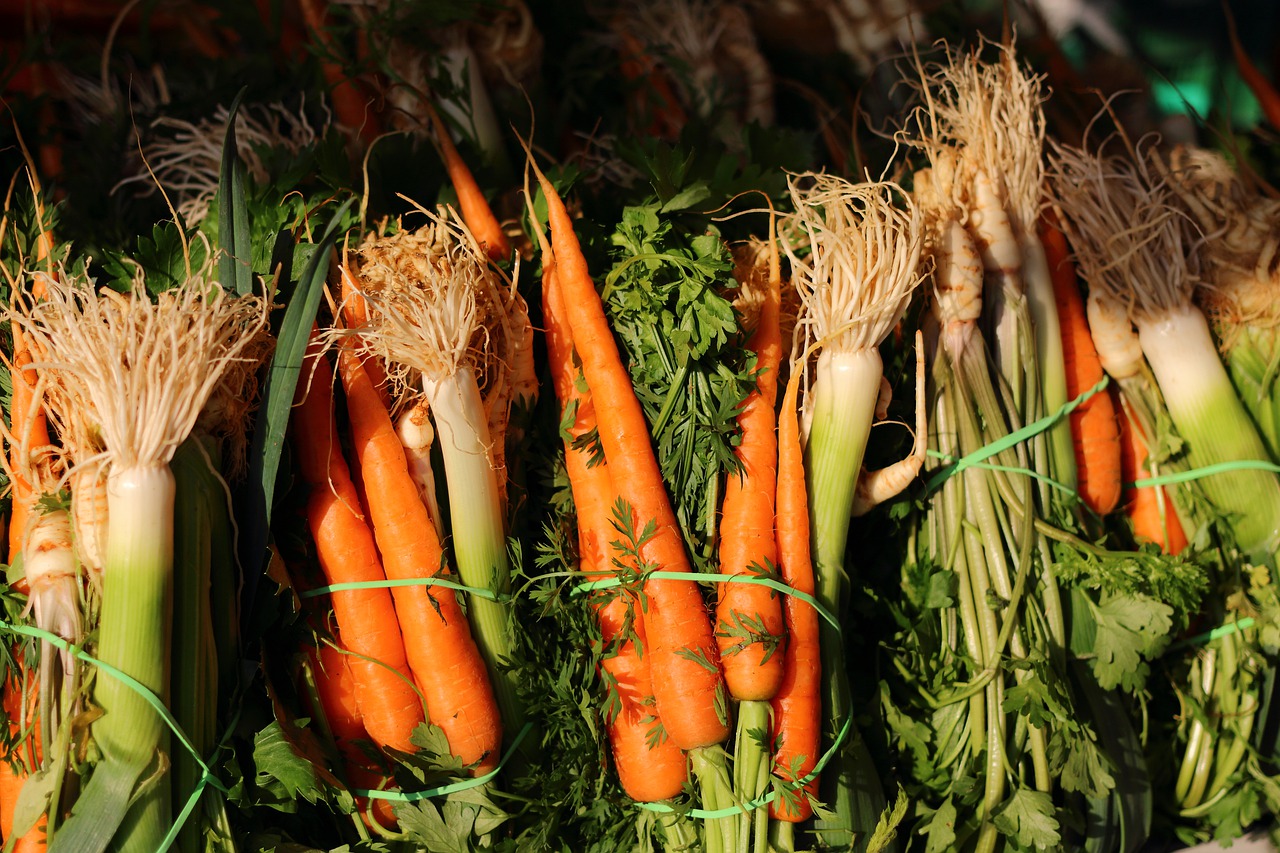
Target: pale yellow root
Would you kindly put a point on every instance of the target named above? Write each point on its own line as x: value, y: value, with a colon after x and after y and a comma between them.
x: 416, y: 436
x: 876, y: 487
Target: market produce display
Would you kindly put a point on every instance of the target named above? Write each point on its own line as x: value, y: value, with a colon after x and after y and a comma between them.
x: 687, y: 425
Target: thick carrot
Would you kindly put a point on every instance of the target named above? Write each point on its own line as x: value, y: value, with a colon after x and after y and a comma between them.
x: 687, y: 681
x: 797, y: 708
x: 442, y: 654
x: 749, y: 622
x: 476, y: 212
x: 339, y: 701
x: 1148, y: 508
x: 648, y: 770
x: 355, y: 313
x: 367, y: 622
x: 1095, y: 431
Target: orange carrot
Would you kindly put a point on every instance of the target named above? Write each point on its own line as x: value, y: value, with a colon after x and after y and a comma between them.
x: 648, y: 771
x: 1095, y: 431
x: 797, y: 708
x: 29, y: 428
x: 352, y: 103
x: 442, y: 654
x: 1148, y: 508
x: 684, y: 659
x: 666, y: 116
x: 367, y: 622
x: 339, y: 701
x: 355, y: 313
x: 1262, y: 88
x: 12, y: 778
x: 749, y: 622
x: 476, y: 212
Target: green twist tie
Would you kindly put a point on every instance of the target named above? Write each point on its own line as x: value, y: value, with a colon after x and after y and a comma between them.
x: 730, y: 811
x: 207, y: 779
x: 711, y: 577
x: 399, y: 582
x: 1207, y: 471
x: 1216, y: 634
x: 462, y: 785
x: 979, y: 456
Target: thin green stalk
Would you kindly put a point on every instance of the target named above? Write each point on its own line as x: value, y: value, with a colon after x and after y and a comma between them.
x: 752, y: 761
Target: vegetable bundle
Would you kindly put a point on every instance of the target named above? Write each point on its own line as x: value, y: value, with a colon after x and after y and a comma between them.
x: 385, y: 476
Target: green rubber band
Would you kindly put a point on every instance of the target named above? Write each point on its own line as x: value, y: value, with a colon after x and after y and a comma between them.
x: 120, y: 675
x: 1216, y: 634
x: 463, y: 785
x: 711, y: 577
x: 752, y: 805
x: 1207, y: 471
x: 1011, y: 469
x: 399, y: 582
x: 1013, y: 439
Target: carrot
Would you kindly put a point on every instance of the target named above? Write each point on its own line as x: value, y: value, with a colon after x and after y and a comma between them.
x: 351, y: 102
x: 29, y: 428
x: 1095, y: 431
x: 367, y: 622
x: 337, y: 691
x: 1262, y: 88
x: 1148, y: 508
x: 666, y: 116
x: 442, y: 654
x: 797, y: 707
x: 355, y: 313
x: 687, y: 681
x: 648, y: 770
x: 13, y: 776
x: 476, y: 212
x: 749, y: 616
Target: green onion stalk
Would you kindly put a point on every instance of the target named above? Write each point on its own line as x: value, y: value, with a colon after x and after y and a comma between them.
x: 138, y: 373
x: 1240, y: 259
x: 1134, y: 246
x: 854, y: 251
x: 438, y: 312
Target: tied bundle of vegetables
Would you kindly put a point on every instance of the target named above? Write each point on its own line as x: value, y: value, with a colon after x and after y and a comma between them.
x: 128, y: 379
x: 683, y: 656
x: 1135, y: 249
x: 855, y: 252
x: 441, y: 318
x: 1002, y: 584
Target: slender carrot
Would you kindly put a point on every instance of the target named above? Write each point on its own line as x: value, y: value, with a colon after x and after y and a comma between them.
x: 666, y: 116
x: 355, y: 313
x: 367, y: 622
x: 352, y: 103
x: 442, y: 654
x: 13, y: 776
x: 1095, y: 430
x: 749, y: 621
x: 29, y: 428
x: 476, y: 212
x: 797, y: 708
x: 1148, y: 508
x: 1262, y: 88
x: 649, y: 769
x: 687, y: 681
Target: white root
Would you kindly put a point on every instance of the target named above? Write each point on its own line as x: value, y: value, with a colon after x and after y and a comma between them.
x: 1114, y: 337
x: 876, y: 487
x: 416, y: 437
